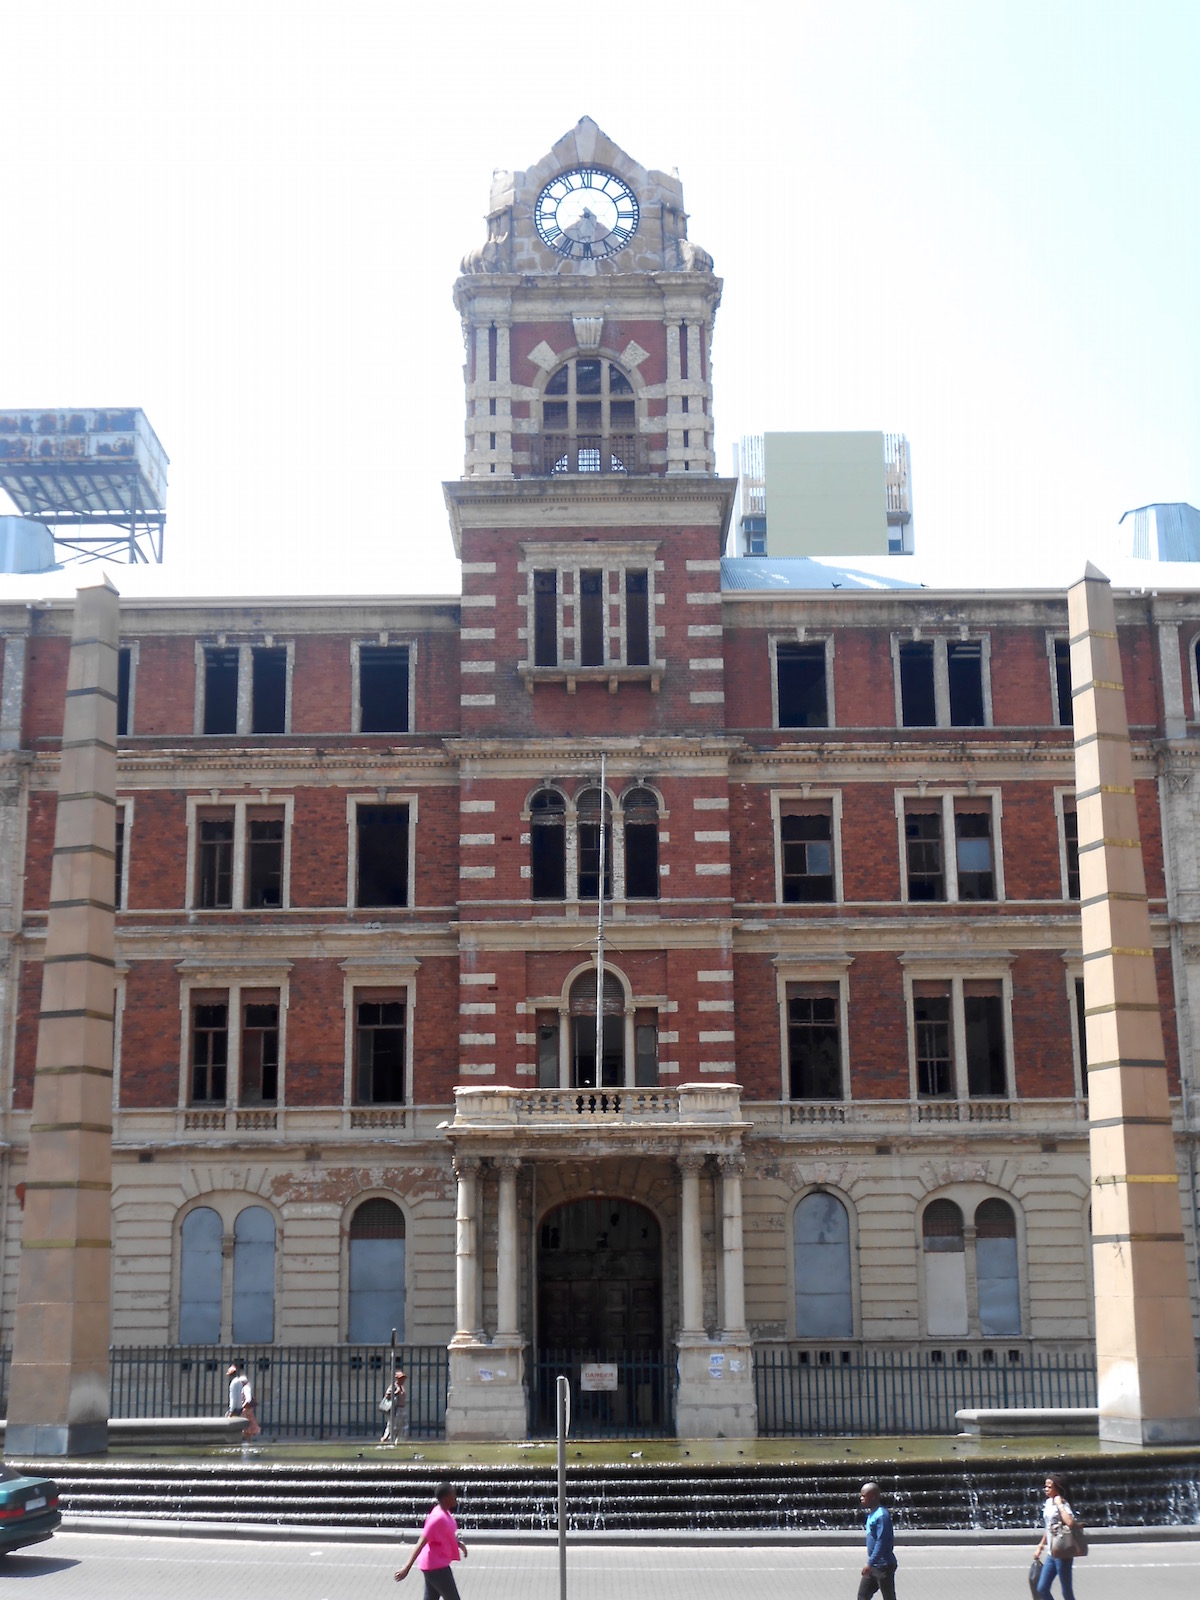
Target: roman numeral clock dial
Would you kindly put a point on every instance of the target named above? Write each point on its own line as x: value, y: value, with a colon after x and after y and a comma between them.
x: 586, y: 214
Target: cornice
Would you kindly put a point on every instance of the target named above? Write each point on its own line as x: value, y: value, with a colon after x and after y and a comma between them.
x: 206, y: 768
x: 585, y: 501
x: 535, y: 754
x: 948, y: 759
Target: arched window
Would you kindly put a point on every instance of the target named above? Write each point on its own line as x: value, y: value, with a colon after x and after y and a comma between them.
x: 254, y: 1276
x: 824, y: 1303
x: 588, y: 808
x: 548, y: 845
x: 589, y: 420
x: 945, y: 1269
x: 996, y: 1269
x: 200, y: 1277
x: 582, y: 1005
x: 376, y: 1273
x: 641, y: 845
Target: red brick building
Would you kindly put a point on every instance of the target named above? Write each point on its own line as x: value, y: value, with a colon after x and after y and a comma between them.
x: 839, y: 1100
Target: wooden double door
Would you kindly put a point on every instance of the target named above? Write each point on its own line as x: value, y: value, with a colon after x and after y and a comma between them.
x: 600, y: 1278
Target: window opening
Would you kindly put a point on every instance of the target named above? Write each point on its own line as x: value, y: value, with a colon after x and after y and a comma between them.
x: 641, y: 845
x: 1071, y: 841
x: 200, y: 1277
x: 1062, y: 683
x: 944, y: 1245
x: 587, y: 377
x: 545, y: 619
x: 800, y: 683
x: 923, y: 843
x: 637, y: 619
x: 806, y: 841
x: 582, y: 1005
x: 645, y: 1049
x: 264, y: 864
x: 220, y: 689
x: 119, y: 859
x: 588, y: 810
x: 380, y: 1052
x: 260, y: 1052
x: 1081, y: 1028
x: 547, y: 1049
x: 814, y: 1049
x: 377, y: 1247
x: 548, y: 845
x: 973, y: 847
x: 591, y: 619
x: 983, y: 1014
x: 383, y: 688
x: 964, y: 665
x: 214, y: 863
x: 935, y: 1059
x: 821, y: 1241
x: 210, y: 1052
x: 124, y: 669
x: 254, y: 1276
x: 996, y: 1269
x: 268, y: 689
x: 942, y: 1228
x: 918, y: 703
x: 382, y: 844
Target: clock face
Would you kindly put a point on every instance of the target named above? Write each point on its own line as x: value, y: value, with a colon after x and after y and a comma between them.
x: 586, y: 214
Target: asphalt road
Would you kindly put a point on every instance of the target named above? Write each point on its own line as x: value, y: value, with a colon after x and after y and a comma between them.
x: 124, y: 1567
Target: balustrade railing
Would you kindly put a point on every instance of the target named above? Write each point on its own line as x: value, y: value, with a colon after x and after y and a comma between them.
x: 587, y: 454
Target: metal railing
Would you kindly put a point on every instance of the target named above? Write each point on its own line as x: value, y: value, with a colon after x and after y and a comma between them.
x: 832, y: 1391
x: 640, y: 1406
x: 585, y: 454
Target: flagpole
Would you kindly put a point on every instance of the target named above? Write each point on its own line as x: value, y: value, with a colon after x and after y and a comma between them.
x: 600, y: 936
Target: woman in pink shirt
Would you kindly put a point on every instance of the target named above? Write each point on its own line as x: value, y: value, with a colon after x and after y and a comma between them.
x: 437, y: 1547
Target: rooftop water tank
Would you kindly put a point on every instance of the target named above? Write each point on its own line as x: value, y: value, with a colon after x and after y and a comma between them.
x: 25, y: 545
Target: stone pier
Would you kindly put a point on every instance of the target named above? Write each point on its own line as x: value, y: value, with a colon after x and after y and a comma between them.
x: 1145, y: 1349
x: 58, y: 1386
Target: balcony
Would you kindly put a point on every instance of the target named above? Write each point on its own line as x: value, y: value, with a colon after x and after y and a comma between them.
x: 586, y: 455
x: 575, y: 1122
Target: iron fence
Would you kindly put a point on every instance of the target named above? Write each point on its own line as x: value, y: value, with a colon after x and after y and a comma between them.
x: 639, y: 1405
x: 815, y: 1392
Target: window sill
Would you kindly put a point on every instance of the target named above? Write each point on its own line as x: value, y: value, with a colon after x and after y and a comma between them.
x: 613, y: 675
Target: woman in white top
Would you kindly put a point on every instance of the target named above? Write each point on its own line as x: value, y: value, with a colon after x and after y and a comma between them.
x: 1054, y: 1511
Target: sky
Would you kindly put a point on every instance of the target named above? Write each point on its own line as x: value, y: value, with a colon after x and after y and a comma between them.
x: 975, y: 224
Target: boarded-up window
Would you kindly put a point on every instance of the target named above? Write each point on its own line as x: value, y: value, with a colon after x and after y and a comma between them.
x: 824, y: 1303
x: 996, y: 1269
x: 641, y: 845
x: 548, y: 845
x: 200, y: 1277
x: 376, y: 1273
x: 945, y: 1269
x: 254, y: 1276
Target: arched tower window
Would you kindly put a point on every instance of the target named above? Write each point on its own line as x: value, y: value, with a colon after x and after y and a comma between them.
x: 824, y: 1303
x: 589, y: 420
x: 200, y: 1277
x: 582, y: 1007
x: 376, y: 1273
x: 944, y: 1250
x: 254, y: 1276
x: 548, y: 845
x: 588, y: 811
x: 641, y: 845
x: 996, y: 1269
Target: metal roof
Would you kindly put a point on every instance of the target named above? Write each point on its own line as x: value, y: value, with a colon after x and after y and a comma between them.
x: 802, y: 572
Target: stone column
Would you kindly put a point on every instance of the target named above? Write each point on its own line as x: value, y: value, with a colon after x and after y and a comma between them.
x: 733, y: 1265
x: 691, y: 1284
x: 58, y: 1389
x: 507, y: 1272
x: 1145, y: 1351
x: 466, y: 1257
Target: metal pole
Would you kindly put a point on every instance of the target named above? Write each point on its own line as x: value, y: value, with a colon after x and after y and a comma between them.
x: 563, y: 1409
x: 600, y: 939
x: 391, y: 1416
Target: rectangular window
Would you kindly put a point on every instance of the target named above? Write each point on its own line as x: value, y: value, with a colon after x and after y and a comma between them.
x: 124, y: 674
x: 923, y: 845
x: 964, y: 667
x: 545, y: 619
x: 590, y: 621
x: 547, y: 1049
x: 645, y: 1049
x: 1062, y: 683
x: 934, y: 1051
x: 973, y: 853
x: 1071, y: 844
x: 269, y: 689
x: 1081, y: 1028
x: 383, y: 688
x: 983, y: 1016
x: 382, y: 855
x: 220, y: 689
x: 814, y: 1047
x: 119, y: 859
x: 637, y: 619
x: 800, y: 685
x: 214, y: 861
x: 210, y: 1048
x: 588, y: 841
x: 806, y: 846
x: 918, y: 702
x: 379, y: 1052
x: 264, y: 860
x: 260, y: 1048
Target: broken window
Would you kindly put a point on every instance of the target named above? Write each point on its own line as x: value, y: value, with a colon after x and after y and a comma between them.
x: 210, y: 1048
x: 124, y: 676
x: 548, y: 845
x: 547, y: 1049
x: 264, y: 860
x: 983, y: 1017
x: 268, y: 689
x: 383, y: 688
x: 1071, y: 843
x: 800, y: 685
x: 923, y: 845
x: 814, y: 1047
x: 964, y: 667
x: 973, y: 846
x: 591, y: 619
x: 260, y: 1048
x: 588, y: 809
x: 382, y: 855
x: 645, y: 1049
x: 220, y: 689
x: 806, y: 845
x: 918, y: 701
x: 641, y: 845
x: 637, y: 619
x: 1062, y: 683
x: 934, y: 1050
x: 545, y: 619
x: 379, y: 1052
x: 214, y: 861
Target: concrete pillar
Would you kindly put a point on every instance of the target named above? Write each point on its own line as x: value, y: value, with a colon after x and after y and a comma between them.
x: 58, y: 1388
x: 691, y: 1284
x: 1145, y: 1351
x: 732, y: 1261
x: 466, y: 1259
x: 506, y: 1251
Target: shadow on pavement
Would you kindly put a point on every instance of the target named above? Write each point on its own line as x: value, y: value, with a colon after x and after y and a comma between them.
x: 17, y: 1565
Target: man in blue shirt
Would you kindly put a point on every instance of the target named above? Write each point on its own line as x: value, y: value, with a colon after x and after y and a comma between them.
x: 879, y: 1574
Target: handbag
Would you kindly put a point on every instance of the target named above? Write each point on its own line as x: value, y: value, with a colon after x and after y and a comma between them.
x: 1035, y: 1572
x: 1063, y: 1545
x: 386, y: 1403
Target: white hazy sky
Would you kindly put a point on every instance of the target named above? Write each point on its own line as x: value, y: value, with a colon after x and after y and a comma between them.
x: 977, y: 224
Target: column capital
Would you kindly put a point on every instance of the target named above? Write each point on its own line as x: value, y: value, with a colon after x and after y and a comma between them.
x: 467, y: 1166
x: 505, y: 1165
x: 732, y: 1164
x: 690, y: 1162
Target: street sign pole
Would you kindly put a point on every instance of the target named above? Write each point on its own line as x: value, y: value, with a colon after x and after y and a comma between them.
x: 563, y: 1410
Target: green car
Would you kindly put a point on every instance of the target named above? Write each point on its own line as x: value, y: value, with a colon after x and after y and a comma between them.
x: 28, y: 1509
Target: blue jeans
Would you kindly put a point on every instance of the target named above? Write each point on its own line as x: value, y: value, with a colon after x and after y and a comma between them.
x: 1053, y: 1567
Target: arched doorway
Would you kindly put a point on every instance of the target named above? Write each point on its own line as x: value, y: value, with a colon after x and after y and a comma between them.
x: 600, y: 1315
